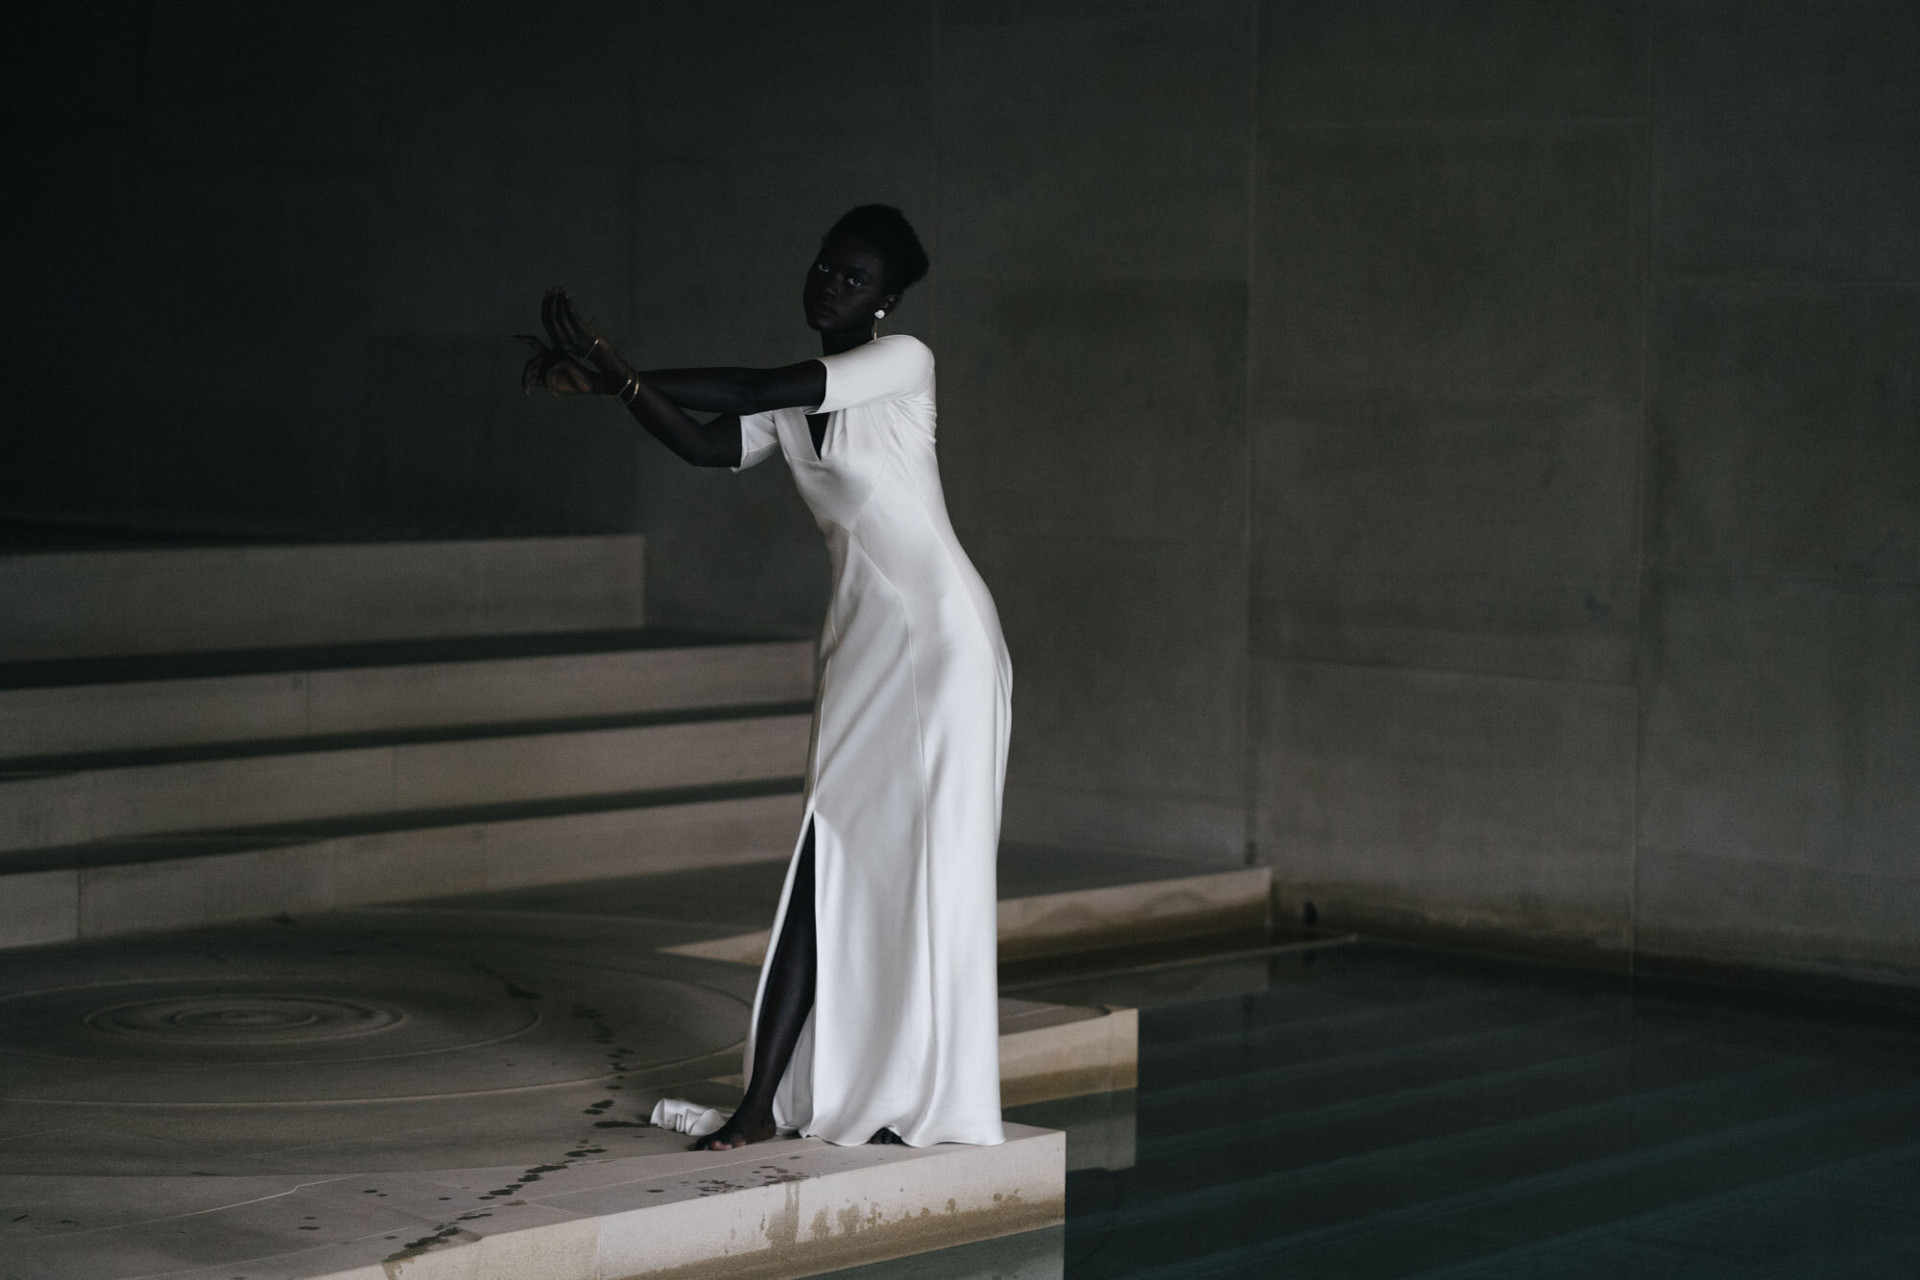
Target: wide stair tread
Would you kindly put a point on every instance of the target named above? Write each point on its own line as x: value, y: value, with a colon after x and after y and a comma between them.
x: 159, y: 790
x: 214, y: 663
x: 180, y: 845
x: 234, y: 750
x: 53, y: 710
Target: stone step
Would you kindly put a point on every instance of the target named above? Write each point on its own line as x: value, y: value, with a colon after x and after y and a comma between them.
x: 1047, y: 1052
x: 756, y: 1216
x: 115, y: 888
x: 63, y: 605
x: 73, y: 707
x: 276, y: 783
x: 1090, y: 917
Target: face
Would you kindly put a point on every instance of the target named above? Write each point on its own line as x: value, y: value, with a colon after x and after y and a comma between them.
x: 845, y: 286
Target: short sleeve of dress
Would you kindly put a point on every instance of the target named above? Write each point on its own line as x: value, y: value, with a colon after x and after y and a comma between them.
x: 759, y: 440
x: 883, y: 369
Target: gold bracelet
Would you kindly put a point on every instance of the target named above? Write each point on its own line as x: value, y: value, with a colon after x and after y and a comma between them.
x: 632, y: 389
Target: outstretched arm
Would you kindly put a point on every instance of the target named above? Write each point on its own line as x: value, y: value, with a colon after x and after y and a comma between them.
x: 737, y: 391
x: 657, y: 399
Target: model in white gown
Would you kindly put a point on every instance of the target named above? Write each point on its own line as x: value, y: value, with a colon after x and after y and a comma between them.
x: 904, y: 779
x: 876, y: 1013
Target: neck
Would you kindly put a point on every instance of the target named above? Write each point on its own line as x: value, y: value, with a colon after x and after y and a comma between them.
x: 832, y: 344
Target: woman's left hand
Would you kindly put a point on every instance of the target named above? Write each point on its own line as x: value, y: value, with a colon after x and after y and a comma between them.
x: 558, y: 373
x: 566, y: 330
x: 567, y: 366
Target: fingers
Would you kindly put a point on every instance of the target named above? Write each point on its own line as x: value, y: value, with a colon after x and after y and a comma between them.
x: 580, y: 331
x: 566, y: 331
x: 567, y: 321
x: 559, y: 364
x: 547, y: 305
x: 540, y: 349
x: 537, y: 373
x: 557, y: 375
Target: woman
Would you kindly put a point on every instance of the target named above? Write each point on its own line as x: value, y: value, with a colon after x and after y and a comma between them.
x: 876, y: 1018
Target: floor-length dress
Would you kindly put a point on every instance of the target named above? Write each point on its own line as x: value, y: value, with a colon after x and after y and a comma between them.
x: 904, y: 778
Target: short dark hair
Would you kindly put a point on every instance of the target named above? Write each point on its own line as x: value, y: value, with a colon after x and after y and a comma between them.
x: 887, y: 229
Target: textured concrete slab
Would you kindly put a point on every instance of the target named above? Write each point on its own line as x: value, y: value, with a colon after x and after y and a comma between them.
x: 1786, y: 146
x: 1132, y: 672
x: 1375, y: 276
x: 1328, y: 63
x: 40, y: 906
x: 147, y: 886
x: 1780, y: 775
x: 1034, y: 416
x: 436, y: 1092
x: 1087, y: 918
x: 1144, y: 911
x: 767, y: 1213
x: 1101, y: 1128
x: 123, y: 715
x: 282, y: 786
x: 1500, y: 538
x: 1827, y: 380
x: 1029, y: 147
x: 1402, y: 800
x: 66, y: 605
x: 1050, y: 1051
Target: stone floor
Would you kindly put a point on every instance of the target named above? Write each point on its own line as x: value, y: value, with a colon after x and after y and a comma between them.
x: 348, y: 1092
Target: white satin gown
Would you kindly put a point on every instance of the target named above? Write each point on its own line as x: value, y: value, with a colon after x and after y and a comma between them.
x: 904, y: 779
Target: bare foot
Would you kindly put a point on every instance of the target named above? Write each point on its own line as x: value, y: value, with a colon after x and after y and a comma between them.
x: 737, y: 1132
x: 886, y: 1138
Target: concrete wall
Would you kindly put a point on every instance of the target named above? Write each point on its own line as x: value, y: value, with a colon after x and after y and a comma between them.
x: 261, y: 259
x: 1461, y: 452
x: 1449, y: 309
x: 1779, y: 770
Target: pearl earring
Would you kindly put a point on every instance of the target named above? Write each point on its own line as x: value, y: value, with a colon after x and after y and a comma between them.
x: 880, y: 314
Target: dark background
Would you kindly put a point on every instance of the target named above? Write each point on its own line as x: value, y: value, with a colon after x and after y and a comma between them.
x: 1463, y: 453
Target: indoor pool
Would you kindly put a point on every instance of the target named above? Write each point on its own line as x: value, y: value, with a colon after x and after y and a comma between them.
x: 1381, y: 1111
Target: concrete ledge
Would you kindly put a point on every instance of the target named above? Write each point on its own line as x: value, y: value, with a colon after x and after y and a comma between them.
x: 255, y: 706
x: 759, y: 1216
x: 1101, y: 1128
x: 39, y: 907
x: 258, y: 790
x: 1088, y: 919
x: 1049, y: 1052
x: 1588, y: 944
x: 79, y: 604
x: 777, y: 1210
x: 1127, y: 914
x: 390, y: 866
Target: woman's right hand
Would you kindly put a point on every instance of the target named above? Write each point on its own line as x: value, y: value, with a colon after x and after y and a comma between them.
x: 558, y: 373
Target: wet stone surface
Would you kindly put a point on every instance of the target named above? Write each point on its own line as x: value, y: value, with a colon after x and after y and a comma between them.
x: 390, y: 1039
x: 317, y: 1096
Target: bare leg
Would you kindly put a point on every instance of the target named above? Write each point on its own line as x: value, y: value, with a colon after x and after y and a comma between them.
x: 783, y: 1012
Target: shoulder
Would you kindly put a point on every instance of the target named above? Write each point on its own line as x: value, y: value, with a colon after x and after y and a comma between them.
x: 906, y: 351
x: 879, y: 369
x: 904, y: 342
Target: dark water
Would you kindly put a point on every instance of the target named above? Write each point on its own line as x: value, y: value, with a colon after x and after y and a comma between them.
x: 1374, y: 1111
